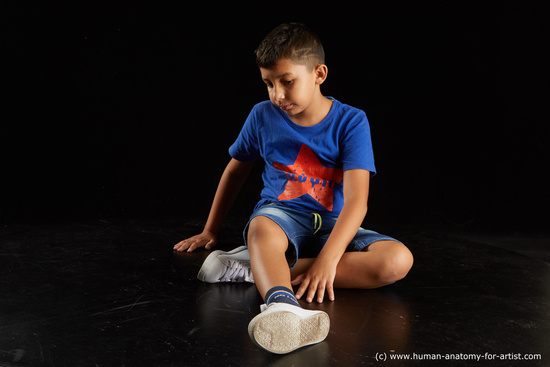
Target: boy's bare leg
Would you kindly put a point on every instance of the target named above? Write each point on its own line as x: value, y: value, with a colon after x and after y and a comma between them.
x: 267, y: 244
x: 282, y: 326
x: 381, y: 263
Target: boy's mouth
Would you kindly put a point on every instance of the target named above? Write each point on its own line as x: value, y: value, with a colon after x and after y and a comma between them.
x: 285, y: 107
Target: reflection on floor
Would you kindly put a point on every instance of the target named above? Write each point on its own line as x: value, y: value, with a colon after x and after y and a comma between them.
x: 112, y: 293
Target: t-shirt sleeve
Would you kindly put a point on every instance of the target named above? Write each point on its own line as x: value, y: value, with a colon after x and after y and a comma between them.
x: 357, y: 145
x: 246, y: 147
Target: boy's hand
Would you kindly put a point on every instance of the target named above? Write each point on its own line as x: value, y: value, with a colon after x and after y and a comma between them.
x: 317, y: 279
x: 205, y: 239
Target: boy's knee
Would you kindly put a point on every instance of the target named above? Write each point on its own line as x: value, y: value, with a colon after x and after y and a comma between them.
x: 261, y: 226
x: 262, y: 230
x: 396, y: 265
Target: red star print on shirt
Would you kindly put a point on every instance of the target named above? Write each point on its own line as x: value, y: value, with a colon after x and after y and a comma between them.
x: 308, y: 176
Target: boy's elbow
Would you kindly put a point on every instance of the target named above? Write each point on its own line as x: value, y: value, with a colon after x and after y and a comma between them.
x: 364, y: 209
x: 359, y: 203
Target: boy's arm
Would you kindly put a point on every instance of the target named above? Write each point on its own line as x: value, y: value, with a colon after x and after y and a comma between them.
x: 231, y: 182
x: 320, y: 276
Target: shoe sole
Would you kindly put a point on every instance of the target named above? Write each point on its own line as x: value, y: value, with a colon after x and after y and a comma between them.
x: 211, y: 258
x: 283, y: 332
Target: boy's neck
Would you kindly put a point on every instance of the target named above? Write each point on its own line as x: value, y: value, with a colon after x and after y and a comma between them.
x: 315, y: 113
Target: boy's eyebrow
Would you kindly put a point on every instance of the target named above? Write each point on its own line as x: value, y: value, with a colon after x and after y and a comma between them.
x: 280, y: 76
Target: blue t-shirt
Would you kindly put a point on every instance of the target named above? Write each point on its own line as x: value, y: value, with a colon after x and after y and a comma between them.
x: 304, y: 166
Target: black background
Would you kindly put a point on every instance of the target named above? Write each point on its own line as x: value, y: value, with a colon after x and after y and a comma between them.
x: 129, y: 111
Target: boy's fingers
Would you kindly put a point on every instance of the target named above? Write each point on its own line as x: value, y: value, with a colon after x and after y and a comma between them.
x: 297, y: 280
x: 194, y: 246
x: 321, y: 292
x: 180, y: 246
x: 330, y: 292
x: 313, y: 288
x: 210, y: 244
x: 198, y: 244
x: 195, y: 242
x: 302, y: 289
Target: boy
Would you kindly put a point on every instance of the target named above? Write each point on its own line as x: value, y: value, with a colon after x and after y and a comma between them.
x: 319, y: 160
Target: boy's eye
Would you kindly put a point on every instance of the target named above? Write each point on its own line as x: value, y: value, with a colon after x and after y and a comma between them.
x: 285, y: 82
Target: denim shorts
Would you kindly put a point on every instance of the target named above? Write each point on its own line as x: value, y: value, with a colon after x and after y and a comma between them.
x: 309, y: 232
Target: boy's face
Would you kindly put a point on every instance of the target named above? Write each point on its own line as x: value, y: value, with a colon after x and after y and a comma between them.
x: 291, y: 87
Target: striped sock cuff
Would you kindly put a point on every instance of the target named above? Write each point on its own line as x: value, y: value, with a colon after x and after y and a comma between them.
x: 281, y: 295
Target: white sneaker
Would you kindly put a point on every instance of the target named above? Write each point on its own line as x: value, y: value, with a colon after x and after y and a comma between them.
x: 227, y: 266
x: 281, y: 328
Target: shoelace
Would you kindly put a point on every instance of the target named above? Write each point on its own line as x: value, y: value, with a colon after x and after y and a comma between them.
x: 237, y: 272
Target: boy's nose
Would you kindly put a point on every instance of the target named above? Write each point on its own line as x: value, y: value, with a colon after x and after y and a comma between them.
x: 278, y: 94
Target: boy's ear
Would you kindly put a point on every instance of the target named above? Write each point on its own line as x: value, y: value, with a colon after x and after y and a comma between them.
x: 321, y: 72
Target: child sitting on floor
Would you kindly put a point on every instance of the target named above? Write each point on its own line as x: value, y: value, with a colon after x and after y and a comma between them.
x: 318, y: 163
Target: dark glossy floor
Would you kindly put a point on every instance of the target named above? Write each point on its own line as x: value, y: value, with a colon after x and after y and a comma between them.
x: 112, y: 293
